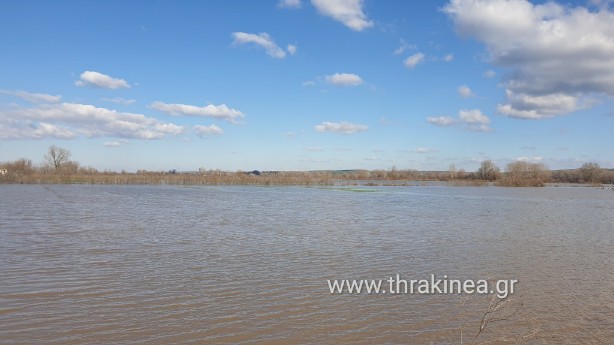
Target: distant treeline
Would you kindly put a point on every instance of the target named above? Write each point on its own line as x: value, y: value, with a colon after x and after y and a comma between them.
x: 58, y: 168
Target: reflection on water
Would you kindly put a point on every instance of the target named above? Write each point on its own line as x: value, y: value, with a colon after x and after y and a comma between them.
x: 161, y: 265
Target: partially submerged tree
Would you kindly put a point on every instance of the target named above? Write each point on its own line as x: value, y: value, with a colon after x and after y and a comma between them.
x: 57, y: 157
x: 525, y: 174
x: 488, y: 171
x: 591, y: 172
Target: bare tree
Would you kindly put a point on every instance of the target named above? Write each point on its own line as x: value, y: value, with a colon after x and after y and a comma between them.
x: 591, y: 172
x: 522, y: 174
x: 56, y: 157
x: 488, y: 171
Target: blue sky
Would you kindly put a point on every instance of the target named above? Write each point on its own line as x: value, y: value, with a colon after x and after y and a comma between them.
x: 308, y: 85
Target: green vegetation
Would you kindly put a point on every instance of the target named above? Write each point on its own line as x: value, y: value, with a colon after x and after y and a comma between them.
x: 58, y: 168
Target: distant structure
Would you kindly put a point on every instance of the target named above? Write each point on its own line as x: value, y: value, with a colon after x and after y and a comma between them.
x: 4, y: 171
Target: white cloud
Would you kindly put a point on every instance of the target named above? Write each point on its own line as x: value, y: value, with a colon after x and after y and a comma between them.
x: 423, y: 150
x: 47, y: 130
x: 80, y: 119
x: 525, y: 106
x: 309, y: 83
x: 489, y: 74
x: 33, y: 97
x: 96, y: 79
x: 413, y: 60
x: 465, y: 91
x: 348, y: 12
x: 475, y: 120
x: 261, y: 39
x: 120, y: 100
x: 203, y: 131
x: 555, y: 53
x: 448, y: 58
x: 291, y: 49
x: 314, y: 149
x: 473, y: 116
x: 441, y: 121
x: 292, y: 4
x: 344, y: 79
x: 403, y: 47
x: 340, y: 127
x: 221, y: 112
x: 115, y: 143
x: 536, y: 159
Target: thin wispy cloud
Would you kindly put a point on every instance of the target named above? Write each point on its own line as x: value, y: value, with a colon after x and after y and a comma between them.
x: 423, y: 150
x: 403, y: 47
x: 33, y: 97
x: 489, y: 74
x: 441, y: 121
x: 115, y: 143
x: 263, y: 40
x: 99, y: 80
x: 292, y: 49
x: 120, y: 100
x: 290, y: 4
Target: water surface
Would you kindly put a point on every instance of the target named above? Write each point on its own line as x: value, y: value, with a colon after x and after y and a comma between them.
x: 208, y: 265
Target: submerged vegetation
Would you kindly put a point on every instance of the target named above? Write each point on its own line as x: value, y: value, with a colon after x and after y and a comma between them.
x: 57, y: 168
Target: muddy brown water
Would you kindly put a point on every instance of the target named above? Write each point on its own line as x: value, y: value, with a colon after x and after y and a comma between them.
x: 86, y: 264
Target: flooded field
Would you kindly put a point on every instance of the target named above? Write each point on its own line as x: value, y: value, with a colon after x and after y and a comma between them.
x: 84, y: 264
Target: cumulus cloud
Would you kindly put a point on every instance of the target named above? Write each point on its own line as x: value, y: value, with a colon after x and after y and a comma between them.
x: 448, y: 57
x: 465, y: 92
x: 413, y: 60
x: 263, y: 40
x: 340, y: 127
x: 47, y: 130
x: 344, y: 79
x: 33, y: 97
x: 526, y: 106
x: 203, y: 131
x: 348, y: 12
x: 475, y: 120
x: 292, y: 4
x: 96, y: 79
x: 69, y: 120
x: 220, y: 112
x: 559, y: 56
x: 441, y: 121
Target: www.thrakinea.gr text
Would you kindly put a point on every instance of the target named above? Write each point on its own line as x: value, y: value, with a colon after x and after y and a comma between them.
x: 431, y: 285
